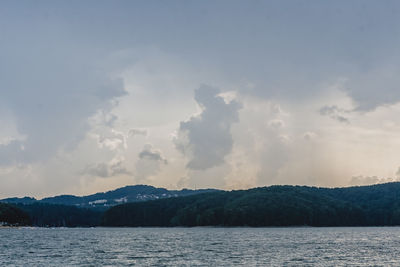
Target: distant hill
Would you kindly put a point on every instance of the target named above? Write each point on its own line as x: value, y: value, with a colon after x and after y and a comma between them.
x: 87, y: 211
x: 11, y: 215
x: 104, y: 200
x: 375, y: 205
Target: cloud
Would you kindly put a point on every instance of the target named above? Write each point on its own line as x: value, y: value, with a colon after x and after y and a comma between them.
x: 335, y: 113
x: 111, y: 139
x: 148, y: 153
x: 369, y: 180
x: 149, y: 163
x: 106, y: 170
x: 12, y: 152
x: 52, y: 103
x: 133, y: 132
x: 69, y: 99
x: 309, y: 135
x: 206, y: 138
x: 377, y: 85
x: 276, y: 123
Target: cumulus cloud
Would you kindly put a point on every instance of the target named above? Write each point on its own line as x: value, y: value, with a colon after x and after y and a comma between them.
x: 149, y: 163
x: 206, y: 138
x: 82, y: 99
x: 111, y: 139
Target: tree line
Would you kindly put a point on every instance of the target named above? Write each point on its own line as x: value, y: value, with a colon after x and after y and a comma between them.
x: 377, y: 205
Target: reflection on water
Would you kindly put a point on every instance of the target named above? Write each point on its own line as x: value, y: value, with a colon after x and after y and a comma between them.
x: 379, y: 246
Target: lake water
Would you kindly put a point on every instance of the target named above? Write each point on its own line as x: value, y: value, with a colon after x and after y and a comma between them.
x: 377, y: 246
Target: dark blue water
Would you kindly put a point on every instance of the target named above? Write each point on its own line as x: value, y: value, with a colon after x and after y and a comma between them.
x: 378, y: 246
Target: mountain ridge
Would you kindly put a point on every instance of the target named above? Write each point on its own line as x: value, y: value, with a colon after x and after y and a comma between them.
x: 126, y: 194
x: 374, y: 205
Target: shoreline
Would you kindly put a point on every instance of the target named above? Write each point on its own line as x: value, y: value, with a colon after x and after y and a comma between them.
x: 199, y: 227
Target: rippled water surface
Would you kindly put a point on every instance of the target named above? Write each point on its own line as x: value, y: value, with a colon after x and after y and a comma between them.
x: 378, y: 246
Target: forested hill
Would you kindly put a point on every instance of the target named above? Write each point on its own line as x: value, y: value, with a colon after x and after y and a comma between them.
x: 374, y: 205
x: 87, y: 211
x: 104, y: 200
x: 11, y: 215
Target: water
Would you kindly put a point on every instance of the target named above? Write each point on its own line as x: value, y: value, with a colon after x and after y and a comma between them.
x: 374, y: 246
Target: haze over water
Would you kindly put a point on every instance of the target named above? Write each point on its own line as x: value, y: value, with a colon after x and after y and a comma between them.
x: 344, y: 246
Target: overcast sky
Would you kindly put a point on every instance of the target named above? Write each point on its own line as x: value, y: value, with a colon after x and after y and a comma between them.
x: 96, y: 95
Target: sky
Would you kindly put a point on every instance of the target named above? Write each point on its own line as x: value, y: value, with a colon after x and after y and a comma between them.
x: 95, y: 95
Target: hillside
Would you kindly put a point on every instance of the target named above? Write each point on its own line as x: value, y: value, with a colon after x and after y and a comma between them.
x: 104, y: 200
x: 375, y: 205
x: 87, y: 211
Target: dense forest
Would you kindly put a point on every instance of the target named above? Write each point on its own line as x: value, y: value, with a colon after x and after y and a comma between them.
x: 375, y: 205
x: 48, y: 215
x: 53, y: 215
x: 11, y: 215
